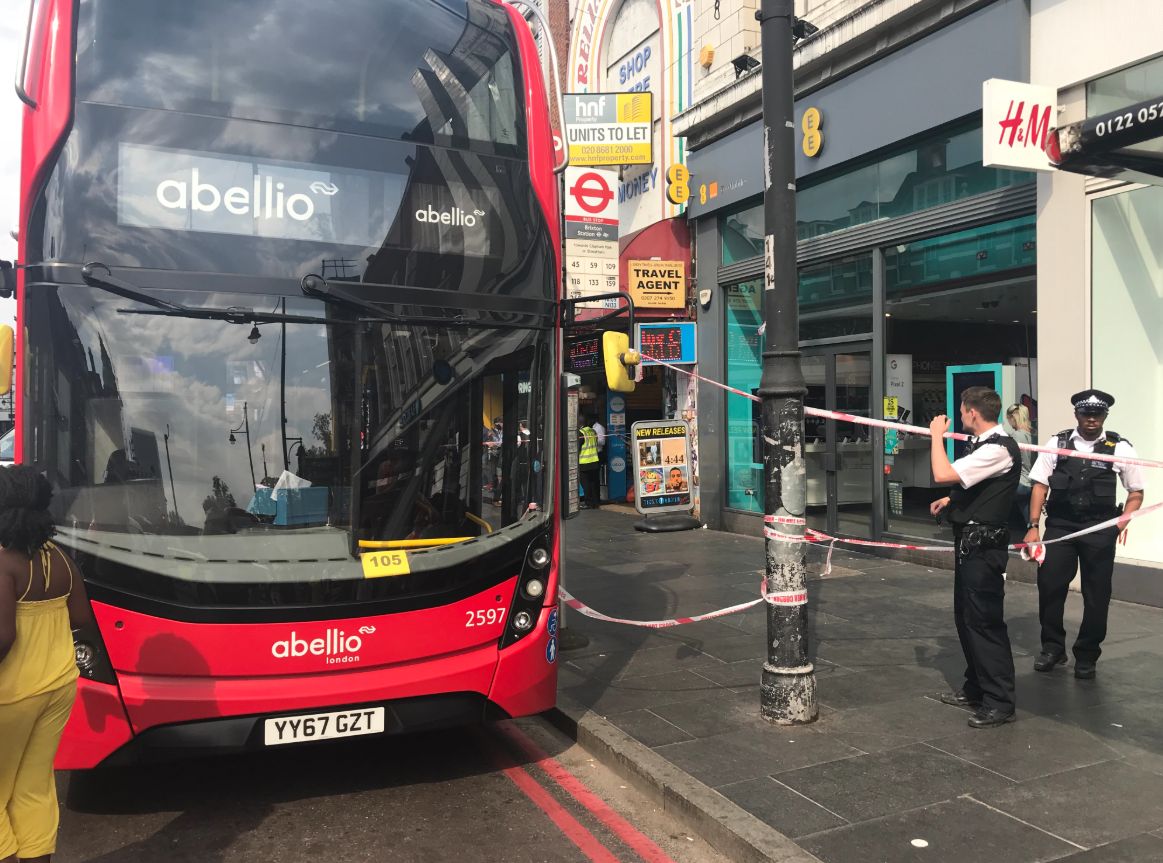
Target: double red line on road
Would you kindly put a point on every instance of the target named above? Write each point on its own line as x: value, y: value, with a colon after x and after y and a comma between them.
x: 573, y: 829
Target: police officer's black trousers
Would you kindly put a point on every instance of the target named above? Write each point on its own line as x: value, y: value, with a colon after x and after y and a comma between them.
x: 979, y: 610
x: 1094, y: 556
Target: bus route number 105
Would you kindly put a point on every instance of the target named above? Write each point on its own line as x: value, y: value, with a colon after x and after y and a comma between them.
x: 382, y: 564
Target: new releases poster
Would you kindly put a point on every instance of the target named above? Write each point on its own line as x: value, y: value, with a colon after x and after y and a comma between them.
x: 661, y: 452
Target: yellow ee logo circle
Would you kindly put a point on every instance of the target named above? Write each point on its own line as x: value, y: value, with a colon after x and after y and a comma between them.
x: 811, y: 123
x: 678, y: 190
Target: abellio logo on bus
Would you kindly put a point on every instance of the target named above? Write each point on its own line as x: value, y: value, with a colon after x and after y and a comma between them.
x: 267, y: 198
x: 456, y: 216
x: 336, y: 646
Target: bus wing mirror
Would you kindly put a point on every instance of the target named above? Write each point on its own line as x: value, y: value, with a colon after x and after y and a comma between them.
x: 6, y: 339
x: 619, y: 362
x: 7, y: 279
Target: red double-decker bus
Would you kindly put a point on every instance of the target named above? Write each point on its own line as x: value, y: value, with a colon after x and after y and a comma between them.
x: 288, y: 350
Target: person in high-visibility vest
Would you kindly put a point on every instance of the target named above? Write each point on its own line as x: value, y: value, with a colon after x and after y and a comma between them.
x: 587, y: 462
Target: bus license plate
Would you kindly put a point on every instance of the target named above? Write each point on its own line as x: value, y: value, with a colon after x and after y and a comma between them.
x: 324, y: 726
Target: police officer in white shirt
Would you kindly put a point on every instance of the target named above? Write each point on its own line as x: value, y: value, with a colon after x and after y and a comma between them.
x: 979, y: 506
x: 1081, y: 494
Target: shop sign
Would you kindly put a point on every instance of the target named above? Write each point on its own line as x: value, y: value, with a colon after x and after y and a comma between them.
x: 1016, y: 120
x: 811, y: 124
x: 670, y: 342
x: 609, y: 128
x: 661, y: 458
x: 743, y: 296
x: 584, y: 355
x: 657, y: 284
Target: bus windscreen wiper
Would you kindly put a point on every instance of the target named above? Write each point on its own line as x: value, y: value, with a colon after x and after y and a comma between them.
x: 98, y: 275
x: 317, y: 287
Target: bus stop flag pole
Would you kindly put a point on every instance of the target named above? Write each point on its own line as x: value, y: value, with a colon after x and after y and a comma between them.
x: 788, y: 684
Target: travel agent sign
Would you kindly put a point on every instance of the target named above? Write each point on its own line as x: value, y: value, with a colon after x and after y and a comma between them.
x: 609, y: 128
x: 662, y: 466
x: 657, y: 284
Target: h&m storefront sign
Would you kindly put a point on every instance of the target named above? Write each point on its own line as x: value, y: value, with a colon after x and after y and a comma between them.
x: 1016, y: 119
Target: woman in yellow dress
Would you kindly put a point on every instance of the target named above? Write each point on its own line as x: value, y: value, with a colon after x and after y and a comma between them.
x: 41, y: 600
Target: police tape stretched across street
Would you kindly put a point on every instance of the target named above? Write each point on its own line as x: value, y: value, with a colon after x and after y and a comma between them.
x: 1074, y: 479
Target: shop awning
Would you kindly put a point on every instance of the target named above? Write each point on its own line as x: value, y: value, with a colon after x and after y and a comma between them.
x: 1123, y: 145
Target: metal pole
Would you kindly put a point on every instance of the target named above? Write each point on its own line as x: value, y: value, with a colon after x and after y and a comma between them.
x: 788, y: 685
x: 249, y: 454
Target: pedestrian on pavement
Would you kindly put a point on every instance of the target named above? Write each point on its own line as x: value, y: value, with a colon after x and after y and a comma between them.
x: 42, y: 599
x: 978, y: 508
x: 1081, y: 494
x: 1022, y: 431
x: 587, y: 462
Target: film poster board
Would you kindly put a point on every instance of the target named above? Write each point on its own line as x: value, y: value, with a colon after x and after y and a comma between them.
x: 662, y: 466
x: 572, y: 495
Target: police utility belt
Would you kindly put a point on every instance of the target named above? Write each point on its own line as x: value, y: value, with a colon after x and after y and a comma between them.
x: 981, y: 537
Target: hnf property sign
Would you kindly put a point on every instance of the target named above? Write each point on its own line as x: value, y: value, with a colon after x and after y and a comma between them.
x: 657, y: 284
x: 609, y: 128
x: 662, y: 466
x: 1015, y: 121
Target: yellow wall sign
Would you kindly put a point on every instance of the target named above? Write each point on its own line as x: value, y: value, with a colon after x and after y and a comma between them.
x: 678, y: 178
x: 657, y: 284
x: 811, y: 123
x: 382, y: 564
x: 609, y: 128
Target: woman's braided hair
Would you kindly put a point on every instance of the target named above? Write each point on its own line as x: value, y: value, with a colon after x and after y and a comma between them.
x: 25, y: 523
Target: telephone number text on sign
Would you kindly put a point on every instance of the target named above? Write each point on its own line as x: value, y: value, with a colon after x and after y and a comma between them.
x: 1128, y: 119
x: 610, y: 154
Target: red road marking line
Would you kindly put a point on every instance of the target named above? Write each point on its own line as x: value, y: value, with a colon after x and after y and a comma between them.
x: 585, y: 841
x: 619, y: 826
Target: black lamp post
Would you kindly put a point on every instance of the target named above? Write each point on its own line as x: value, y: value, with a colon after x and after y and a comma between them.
x: 788, y: 683
x: 244, y: 427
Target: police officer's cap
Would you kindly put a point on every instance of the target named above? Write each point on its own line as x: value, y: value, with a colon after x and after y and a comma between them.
x: 1092, y: 402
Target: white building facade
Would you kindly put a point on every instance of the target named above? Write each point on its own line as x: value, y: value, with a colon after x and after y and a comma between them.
x: 1100, y: 250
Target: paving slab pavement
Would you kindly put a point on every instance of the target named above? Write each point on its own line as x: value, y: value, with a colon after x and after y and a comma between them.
x: 888, y: 772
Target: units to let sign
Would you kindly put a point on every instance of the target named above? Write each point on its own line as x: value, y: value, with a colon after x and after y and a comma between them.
x: 609, y: 128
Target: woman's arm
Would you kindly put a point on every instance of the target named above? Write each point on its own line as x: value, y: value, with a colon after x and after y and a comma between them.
x: 80, y: 612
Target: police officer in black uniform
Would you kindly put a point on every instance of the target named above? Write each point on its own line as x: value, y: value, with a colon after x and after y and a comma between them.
x: 978, y: 508
x: 1081, y: 494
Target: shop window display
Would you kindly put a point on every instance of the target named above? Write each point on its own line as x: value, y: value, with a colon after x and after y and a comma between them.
x: 959, y: 308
